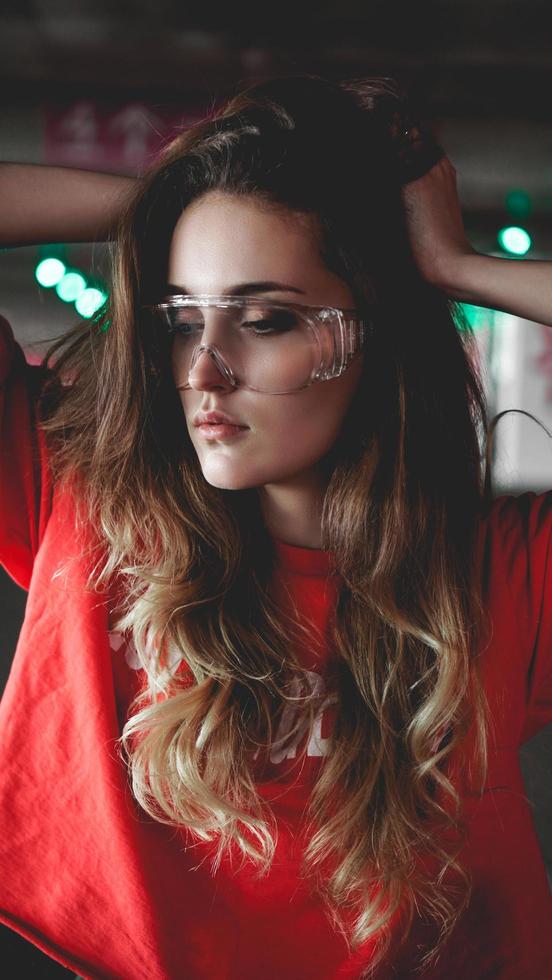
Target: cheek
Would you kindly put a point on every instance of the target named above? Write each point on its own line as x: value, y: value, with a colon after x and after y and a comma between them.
x: 307, y: 430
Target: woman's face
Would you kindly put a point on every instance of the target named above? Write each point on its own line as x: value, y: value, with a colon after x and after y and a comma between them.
x: 222, y: 241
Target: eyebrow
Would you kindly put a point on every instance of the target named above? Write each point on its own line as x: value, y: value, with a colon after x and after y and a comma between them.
x: 242, y: 288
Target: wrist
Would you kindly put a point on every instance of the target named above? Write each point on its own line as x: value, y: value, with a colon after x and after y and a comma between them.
x: 458, y: 275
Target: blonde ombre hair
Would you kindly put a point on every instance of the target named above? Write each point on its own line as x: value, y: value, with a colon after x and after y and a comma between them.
x: 405, y: 490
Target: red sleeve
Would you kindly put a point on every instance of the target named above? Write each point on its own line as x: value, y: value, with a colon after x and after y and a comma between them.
x: 539, y: 681
x: 525, y: 524
x: 25, y: 481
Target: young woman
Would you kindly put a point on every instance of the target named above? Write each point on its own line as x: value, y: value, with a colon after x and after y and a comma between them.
x: 265, y: 710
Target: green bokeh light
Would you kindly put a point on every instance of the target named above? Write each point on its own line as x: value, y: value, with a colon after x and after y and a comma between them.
x: 49, y: 272
x: 478, y: 317
x: 514, y: 240
x: 89, y: 302
x: 71, y: 286
x: 518, y: 203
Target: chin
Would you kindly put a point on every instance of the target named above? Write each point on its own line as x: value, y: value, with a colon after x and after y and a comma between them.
x: 227, y: 482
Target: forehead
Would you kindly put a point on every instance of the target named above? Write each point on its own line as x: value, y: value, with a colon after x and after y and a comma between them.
x: 221, y: 240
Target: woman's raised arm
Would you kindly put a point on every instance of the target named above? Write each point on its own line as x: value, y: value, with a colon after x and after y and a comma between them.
x: 446, y: 259
x: 41, y: 204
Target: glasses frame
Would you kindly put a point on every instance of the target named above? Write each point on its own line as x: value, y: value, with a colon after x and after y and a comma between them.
x: 340, y: 334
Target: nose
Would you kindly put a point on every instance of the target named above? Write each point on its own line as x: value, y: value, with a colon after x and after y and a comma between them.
x: 207, y: 373
x: 211, y: 369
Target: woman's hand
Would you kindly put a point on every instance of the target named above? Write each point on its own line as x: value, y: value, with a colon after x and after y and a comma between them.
x: 435, y: 225
x: 446, y: 259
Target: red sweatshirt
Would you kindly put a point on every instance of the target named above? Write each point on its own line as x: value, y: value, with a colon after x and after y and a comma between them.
x: 96, y: 884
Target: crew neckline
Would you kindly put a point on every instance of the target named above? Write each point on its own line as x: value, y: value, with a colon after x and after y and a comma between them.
x: 306, y: 561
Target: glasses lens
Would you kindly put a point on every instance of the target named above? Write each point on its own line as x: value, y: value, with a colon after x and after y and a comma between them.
x: 271, y: 349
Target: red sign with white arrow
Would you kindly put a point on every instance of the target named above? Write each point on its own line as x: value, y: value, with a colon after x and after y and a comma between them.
x: 117, y: 138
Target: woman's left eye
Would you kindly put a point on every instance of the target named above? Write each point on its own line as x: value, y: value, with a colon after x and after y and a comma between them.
x: 278, y: 322
x: 261, y: 323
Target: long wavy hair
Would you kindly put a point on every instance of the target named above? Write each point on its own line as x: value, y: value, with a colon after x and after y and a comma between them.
x: 405, y: 490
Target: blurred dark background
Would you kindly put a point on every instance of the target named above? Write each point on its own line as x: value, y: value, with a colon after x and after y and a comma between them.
x: 102, y: 83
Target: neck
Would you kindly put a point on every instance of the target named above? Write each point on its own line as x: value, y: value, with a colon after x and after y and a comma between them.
x: 292, y: 511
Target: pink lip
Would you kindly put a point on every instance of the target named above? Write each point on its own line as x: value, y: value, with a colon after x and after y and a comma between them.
x: 215, y: 418
x: 210, y: 431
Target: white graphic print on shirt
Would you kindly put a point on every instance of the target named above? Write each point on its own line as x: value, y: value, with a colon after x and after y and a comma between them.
x: 117, y: 640
x: 317, y: 744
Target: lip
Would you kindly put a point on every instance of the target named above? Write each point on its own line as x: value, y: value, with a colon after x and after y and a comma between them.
x: 221, y: 431
x: 216, y: 418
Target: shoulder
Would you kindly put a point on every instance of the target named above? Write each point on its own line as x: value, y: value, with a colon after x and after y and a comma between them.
x: 515, y: 536
x: 523, y: 521
x: 14, y: 366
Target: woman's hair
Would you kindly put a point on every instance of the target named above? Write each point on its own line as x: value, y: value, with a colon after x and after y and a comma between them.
x: 193, y: 563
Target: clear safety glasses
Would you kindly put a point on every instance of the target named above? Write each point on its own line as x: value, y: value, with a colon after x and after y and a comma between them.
x: 266, y: 346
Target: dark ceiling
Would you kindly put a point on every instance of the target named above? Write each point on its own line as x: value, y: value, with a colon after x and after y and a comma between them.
x: 463, y: 57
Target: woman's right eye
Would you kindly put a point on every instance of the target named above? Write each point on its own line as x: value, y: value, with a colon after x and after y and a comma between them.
x: 182, y: 319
